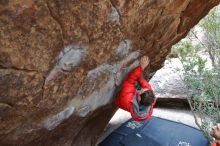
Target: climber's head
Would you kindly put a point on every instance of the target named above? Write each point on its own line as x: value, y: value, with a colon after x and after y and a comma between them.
x: 147, y: 97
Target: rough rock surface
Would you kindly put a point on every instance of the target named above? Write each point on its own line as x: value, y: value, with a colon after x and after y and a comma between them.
x: 168, y: 84
x: 61, y: 61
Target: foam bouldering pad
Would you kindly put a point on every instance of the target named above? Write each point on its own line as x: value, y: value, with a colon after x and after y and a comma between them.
x: 155, y: 132
x: 138, y: 139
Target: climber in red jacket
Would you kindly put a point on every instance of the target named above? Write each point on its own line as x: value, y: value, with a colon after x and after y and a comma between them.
x: 139, y: 103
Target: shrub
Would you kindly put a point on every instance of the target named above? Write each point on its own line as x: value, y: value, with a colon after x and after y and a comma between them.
x: 202, y: 80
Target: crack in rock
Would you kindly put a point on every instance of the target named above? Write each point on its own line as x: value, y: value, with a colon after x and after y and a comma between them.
x: 18, y: 69
x: 114, y: 16
x: 116, y: 9
x: 56, y: 20
x: 5, y: 105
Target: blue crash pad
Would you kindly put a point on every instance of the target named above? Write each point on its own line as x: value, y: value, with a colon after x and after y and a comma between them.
x: 155, y: 132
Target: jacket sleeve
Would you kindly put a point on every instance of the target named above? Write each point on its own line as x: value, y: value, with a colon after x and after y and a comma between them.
x: 128, y: 90
x: 144, y: 83
x: 123, y: 101
x: 134, y: 75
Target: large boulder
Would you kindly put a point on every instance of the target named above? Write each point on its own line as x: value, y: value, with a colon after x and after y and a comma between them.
x: 61, y: 61
x: 168, y: 84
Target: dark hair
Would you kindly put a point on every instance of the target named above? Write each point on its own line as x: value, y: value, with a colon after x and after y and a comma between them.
x: 147, y: 98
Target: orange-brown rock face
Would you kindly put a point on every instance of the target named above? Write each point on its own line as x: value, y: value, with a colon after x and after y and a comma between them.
x: 61, y: 61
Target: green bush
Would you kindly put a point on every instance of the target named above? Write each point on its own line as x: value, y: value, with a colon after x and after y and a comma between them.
x: 203, y: 83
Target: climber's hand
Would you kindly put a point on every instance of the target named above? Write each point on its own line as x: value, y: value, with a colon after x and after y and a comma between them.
x: 144, y: 62
x: 215, y: 132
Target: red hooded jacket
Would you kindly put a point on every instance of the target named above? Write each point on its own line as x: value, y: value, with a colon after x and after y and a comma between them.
x: 215, y: 144
x: 128, y: 91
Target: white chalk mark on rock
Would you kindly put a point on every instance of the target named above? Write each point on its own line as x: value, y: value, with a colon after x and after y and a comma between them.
x: 99, y: 86
x: 100, y: 69
x: 54, y: 120
x: 114, y: 16
x: 123, y: 47
x: 83, y: 111
x: 68, y: 58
